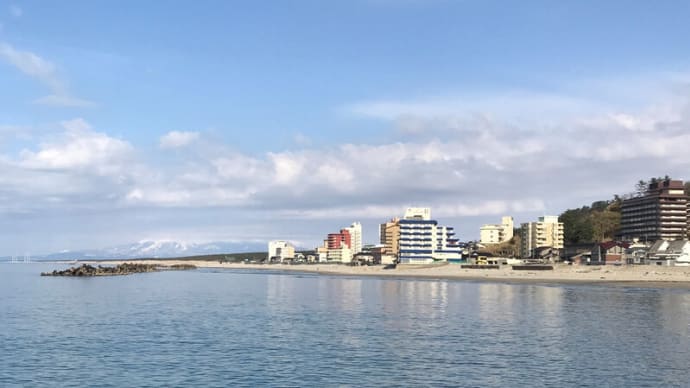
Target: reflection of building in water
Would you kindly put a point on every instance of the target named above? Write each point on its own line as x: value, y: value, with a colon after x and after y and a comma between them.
x: 675, y: 312
x: 279, y: 292
x: 350, y: 291
x: 427, y: 298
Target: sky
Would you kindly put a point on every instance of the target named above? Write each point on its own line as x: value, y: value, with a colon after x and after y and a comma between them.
x: 203, y: 121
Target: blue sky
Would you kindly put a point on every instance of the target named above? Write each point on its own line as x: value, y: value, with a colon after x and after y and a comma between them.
x: 122, y: 121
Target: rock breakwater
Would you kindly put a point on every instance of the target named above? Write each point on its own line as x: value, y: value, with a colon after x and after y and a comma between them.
x: 120, y: 269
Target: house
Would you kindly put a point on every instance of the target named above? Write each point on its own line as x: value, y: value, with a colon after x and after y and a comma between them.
x: 583, y: 258
x: 545, y: 254
x: 670, y: 253
x: 610, y: 252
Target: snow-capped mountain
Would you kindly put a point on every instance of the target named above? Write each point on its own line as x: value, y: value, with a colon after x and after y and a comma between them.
x: 156, y: 249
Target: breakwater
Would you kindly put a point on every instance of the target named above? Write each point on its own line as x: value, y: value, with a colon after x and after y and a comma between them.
x: 120, y: 269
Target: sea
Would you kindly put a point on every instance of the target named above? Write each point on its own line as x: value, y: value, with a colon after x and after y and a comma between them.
x: 229, y: 328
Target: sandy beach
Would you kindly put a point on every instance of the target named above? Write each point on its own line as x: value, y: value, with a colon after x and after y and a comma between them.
x: 644, y: 275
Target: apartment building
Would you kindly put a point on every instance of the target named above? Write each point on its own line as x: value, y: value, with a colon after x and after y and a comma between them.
x: 389, y: 235
x: 546, y: 232
x: 497, y: 233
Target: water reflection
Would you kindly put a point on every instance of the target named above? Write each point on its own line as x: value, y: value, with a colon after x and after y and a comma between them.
x: 260, y: 329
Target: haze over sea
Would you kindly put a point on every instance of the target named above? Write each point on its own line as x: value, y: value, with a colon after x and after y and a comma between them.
x: 263, y: 328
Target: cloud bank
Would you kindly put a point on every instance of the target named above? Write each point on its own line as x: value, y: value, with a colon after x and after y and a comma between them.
x: 471, y: 162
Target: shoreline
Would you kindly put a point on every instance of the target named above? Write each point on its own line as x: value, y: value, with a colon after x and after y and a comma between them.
x: 629, y: 276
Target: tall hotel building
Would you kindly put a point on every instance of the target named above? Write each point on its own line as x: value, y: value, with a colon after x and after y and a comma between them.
x: 660, y: 214
x: 422, y: 241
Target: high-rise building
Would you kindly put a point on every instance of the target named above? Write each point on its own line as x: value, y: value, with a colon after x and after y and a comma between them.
x: 356, y: 237
x: 660, y: 214
x: 547, y: 232
x: 497, y: 233
x: 279, y: 250
x: 422, y: 241
x: 389, y: 234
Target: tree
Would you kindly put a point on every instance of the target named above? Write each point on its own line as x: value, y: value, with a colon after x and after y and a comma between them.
x: 641, y: 188
x: 605, y: 224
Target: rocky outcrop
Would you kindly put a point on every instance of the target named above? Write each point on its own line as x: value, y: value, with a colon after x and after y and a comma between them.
x: 120, y: 269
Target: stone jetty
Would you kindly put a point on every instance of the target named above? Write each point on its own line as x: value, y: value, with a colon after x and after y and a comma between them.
x: 121, y: 269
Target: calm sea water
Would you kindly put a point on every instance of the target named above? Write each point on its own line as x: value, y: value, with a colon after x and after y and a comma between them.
x: 243, y: 328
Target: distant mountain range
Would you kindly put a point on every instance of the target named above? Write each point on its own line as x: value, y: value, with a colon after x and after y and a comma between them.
x: 152, y: 249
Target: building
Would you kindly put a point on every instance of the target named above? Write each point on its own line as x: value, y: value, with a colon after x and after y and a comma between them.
x: 660, y: 214
x: 423, y: 241
x: 355, y: 237
x: 339, y: 246
x: 671, y: 253
x: 497, y: 233
x: 279, y: 250
x: 610, y: 252
x: 547, y: 232
x: 322, y: 252
x: 389, y: 235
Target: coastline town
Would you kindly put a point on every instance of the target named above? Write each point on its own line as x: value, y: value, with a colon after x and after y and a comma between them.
x: 652, y: 230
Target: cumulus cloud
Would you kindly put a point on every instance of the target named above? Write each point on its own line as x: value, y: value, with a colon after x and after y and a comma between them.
x: 177, y: 139
x: 45, y: 72
x: 79, y: 148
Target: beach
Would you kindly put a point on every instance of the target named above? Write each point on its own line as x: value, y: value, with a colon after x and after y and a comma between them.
x: 642, y: 275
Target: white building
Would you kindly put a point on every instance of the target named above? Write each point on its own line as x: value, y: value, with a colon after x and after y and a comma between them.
x: 279, y: 250
x: 422, y: 241
x: 547, y: 232
x: 355, y: 237
x: 497, y: 233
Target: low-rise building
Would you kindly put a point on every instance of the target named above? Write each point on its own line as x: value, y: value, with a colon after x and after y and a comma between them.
x: 610, y: 252
x: 671, y: 253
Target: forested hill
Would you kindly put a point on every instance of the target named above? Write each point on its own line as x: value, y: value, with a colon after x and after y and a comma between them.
x: 597, y: 222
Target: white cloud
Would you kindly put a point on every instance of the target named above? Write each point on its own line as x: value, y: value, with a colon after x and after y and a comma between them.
x: 177, y: 139
x: 79, y: 148
x: 31, y: 65
x: 478, y: 164
x: 15, y: 11
x: 44, y: 71
x: 64, y: 101
x: 302, y: 139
